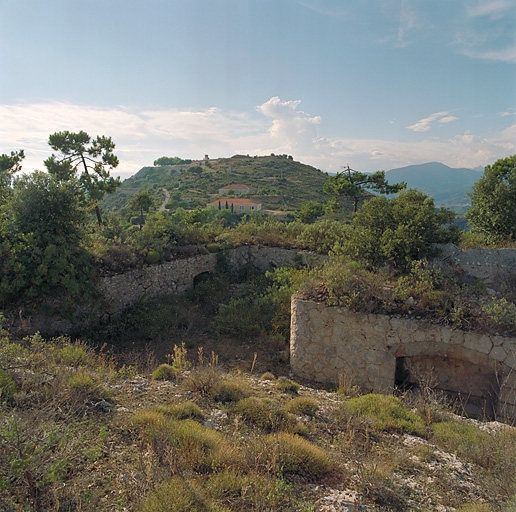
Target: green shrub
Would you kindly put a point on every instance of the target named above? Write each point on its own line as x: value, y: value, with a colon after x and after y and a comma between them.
x: 294, y: 455
x: 71, y: 354
x: 85, y: 388
x: 164, y: 372
x: 251, y: 491
x: 186, y: 443
x: 7, y: 386
x: 179, y: 494
x: 286, y: 385
x: 385, y: 412
x: 466, y: 441
x: 231, y: 389
x: 182, y: 411
x: 501, y: 312
x: 266, y: 414
x: 267, y: 376
x: 302, y: 405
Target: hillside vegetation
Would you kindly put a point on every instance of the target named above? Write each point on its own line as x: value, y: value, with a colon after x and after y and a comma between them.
x: 280, y: 182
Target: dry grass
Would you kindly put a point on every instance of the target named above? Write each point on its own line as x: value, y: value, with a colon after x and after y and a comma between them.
x: 78, y: 434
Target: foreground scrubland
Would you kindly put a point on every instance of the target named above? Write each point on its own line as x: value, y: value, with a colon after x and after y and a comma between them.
x: 175, y: 427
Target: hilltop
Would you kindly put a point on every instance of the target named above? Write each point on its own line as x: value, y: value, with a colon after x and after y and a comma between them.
x: 279, y: 182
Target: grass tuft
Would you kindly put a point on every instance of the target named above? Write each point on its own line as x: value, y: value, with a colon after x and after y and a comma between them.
x: 385, y: 412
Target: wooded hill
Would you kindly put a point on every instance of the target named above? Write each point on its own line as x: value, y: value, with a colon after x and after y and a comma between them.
x: 280, y: 183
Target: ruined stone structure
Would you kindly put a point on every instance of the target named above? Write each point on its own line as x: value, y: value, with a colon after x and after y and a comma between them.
x: 121, y: 290
x: 179, y: 275
x: 494, y: 267
x: 378, y: 352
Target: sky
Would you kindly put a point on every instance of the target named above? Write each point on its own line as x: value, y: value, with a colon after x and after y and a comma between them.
x: 373, y: 84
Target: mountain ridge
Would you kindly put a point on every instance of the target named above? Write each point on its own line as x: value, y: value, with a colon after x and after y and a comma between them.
x: 450, y: 187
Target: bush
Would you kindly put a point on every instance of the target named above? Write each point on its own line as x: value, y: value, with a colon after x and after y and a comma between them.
x: 179, y: 494
x: 465, y: 440
x: 231, y: 390
x: 385, y: 412
x: 203, y: 380
x: 182, y: 411
x: 84, y: 387
x: 71, y: 354
x: 286, y: 385
x: 302, y: 406
x: 295, y: 455
x: 183, y: 443
x: 266, y: 414
x: 250, y: 491
x: 399, y: 230
x: 164, y: 372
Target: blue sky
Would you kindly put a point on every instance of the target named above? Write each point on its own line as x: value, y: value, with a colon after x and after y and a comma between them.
x: 375, y: 84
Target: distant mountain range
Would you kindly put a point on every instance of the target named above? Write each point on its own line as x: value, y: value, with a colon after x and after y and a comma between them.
x: 448, y: 186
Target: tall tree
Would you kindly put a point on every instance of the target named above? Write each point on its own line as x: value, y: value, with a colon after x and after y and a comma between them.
x: 493, y: 201
x: 140, y: 204
x: 400, y: 229
x: 9, y: 164
x: 89, y: 160
x: 41, y: 252
x: 354, y: 184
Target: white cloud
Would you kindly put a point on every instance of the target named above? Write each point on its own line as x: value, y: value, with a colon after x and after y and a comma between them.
x: 507, y: 113
x: 448, y: 119
x: 291, y: 128
x: 141, y: 136
x: 493, y: 9
x: 425, y: 124
x: 408, y: 21
x: 487, y: 31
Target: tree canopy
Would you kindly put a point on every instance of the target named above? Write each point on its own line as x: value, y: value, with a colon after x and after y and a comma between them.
x: 400, y: 229
x: 354, y: 184
x: 171, y: 160
x: 493, y: 201
x: 9, y: 165
x: 89, y: 160
x: 41, y: 235
x: 140, y: 204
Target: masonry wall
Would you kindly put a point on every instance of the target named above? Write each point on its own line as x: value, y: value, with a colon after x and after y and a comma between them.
x: 496, y: 268
x: 330, y: 342
x: 121, y: 290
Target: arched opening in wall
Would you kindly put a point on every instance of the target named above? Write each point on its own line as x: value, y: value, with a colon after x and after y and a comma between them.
x: 200, y: 278
x: 474, y: 387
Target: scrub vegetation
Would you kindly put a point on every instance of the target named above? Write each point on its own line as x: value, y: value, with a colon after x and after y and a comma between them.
x: 186, y: 403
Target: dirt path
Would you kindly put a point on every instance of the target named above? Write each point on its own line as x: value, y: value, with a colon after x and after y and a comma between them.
x: 167, y: 199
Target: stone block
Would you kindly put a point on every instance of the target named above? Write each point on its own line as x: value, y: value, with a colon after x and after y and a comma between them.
x: 480, y: 342
x: 498, y: 353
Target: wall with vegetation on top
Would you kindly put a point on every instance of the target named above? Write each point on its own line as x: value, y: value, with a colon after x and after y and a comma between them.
x: 378, y: 352
x: 121, y: 290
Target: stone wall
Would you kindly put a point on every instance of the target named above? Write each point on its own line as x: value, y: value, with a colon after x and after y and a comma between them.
x: 121, y: 290
x: 494, y: 267
x: 178, y: 276
x: 377, y: 352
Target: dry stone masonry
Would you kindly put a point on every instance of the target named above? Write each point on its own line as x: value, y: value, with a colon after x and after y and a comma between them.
x: 378, y: 352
